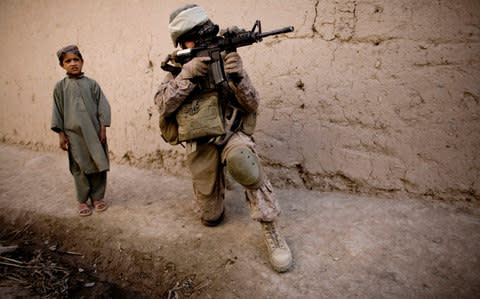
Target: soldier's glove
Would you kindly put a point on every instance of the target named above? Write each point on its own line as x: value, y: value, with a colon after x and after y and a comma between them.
x: 197, y: 67
x: 231, y: 31
x: 234, y: 65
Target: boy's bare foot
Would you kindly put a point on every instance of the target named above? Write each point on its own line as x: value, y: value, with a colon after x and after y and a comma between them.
x: 99, y: 205
x: 84, y: 210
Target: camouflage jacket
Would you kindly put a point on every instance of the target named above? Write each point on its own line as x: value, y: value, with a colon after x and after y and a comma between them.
x: 174, y: 90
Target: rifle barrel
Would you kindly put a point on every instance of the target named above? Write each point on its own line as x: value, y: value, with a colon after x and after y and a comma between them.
x: 277, y: 31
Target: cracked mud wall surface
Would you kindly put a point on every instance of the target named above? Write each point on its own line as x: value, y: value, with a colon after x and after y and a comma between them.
x: 364, y: 96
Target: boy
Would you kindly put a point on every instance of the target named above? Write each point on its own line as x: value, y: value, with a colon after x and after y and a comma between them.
x: 80, y: 116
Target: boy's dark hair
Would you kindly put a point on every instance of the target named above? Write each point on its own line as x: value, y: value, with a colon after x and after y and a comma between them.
x: 72, y: 48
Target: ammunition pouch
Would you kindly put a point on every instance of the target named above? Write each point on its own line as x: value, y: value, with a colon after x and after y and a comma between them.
x: 249, y: 122
x: 169, y: 130
x: 200, y: 116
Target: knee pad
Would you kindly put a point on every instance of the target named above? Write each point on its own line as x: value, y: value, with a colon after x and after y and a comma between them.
x: 244, y: 167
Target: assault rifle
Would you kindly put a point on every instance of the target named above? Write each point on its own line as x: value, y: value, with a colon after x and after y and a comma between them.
x: 213, y: 47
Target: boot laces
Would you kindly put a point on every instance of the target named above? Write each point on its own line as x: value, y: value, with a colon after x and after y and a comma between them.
x: 272, y: 235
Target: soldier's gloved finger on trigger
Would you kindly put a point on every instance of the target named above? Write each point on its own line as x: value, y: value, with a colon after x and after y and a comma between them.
x: 197, y: 67
x: 233, y: 63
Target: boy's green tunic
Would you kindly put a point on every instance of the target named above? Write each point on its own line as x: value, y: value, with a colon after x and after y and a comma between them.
x: 79, y: 109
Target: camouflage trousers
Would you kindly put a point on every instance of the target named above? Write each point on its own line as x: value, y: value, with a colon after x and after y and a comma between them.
x: 207, y: 164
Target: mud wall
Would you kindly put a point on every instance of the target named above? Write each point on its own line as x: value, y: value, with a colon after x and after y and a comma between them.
x: 364, y: 96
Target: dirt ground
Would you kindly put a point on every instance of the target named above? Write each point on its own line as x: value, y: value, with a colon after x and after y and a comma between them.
x: 150, y: 243
x: 36, y: 268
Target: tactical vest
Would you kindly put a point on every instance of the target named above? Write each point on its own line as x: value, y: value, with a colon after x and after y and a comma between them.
x: 209, y: 113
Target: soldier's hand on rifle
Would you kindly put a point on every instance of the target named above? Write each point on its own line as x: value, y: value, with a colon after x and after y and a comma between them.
x: 234, y: 65
x: 197, y: 67
x: 231, y: 31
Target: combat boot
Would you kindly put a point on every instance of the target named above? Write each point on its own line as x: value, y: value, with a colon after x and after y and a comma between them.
x: 278, y: 250
x: 214, y: 222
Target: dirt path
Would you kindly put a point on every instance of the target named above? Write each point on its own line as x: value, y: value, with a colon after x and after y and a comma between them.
x: 343, y: 245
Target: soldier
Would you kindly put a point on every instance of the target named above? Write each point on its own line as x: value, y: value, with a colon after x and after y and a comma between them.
x: 216, y: 128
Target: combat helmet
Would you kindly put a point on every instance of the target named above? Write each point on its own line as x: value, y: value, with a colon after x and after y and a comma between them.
x: 190, y: 22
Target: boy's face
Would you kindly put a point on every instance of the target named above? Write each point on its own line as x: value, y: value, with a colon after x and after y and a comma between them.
x: 72, y: 63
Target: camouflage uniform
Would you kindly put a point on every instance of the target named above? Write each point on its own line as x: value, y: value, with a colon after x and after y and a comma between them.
x: 219, y: 139
x: 206, y: 163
